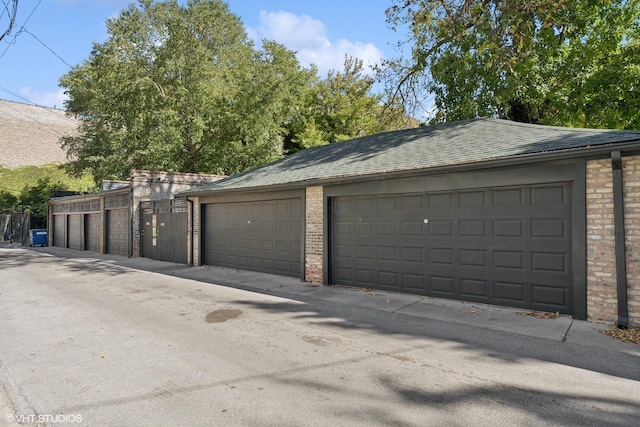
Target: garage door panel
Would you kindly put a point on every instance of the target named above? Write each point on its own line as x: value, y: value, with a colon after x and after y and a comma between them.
x: 490, y: 245
x: 258, y: 235
x: 441, y: 285
x: 440, y: 228
x: 551, y: 228
x: 441, y: 256
x: 550, y: 262
x: 510, y: 260
x: 473, y: 288
x: 508, y: 228
x: 471, y: 199
x: 549, y: 195
x: 412, y: 282
x: 509, y: 292
x: 555, y: 297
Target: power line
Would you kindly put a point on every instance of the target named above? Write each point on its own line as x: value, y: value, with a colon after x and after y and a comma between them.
x: 23, y: 24
x: 12, y: 18
x: 23, y: 29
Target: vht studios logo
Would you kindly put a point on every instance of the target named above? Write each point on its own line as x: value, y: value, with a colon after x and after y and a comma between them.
x: 44, y: 418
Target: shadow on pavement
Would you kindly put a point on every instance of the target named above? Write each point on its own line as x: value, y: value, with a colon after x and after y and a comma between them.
x: 509, y: 347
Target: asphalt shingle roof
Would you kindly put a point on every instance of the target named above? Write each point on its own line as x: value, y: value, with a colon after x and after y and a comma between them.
x: 450, y: 144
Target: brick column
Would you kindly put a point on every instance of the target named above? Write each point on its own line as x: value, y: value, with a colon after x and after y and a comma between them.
x: 631, y: 180
x: 314, y: 235
x: 602, y: 301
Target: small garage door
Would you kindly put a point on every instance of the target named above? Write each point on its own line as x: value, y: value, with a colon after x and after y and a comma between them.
x: 261, y: 235
x: 76, y: 231
x: 59, y: 231
x: 93, y: 229
x: 507, y: 246
x: 118, y: 232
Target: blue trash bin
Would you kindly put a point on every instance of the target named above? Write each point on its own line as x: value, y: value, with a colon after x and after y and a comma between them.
x: 39, y: 236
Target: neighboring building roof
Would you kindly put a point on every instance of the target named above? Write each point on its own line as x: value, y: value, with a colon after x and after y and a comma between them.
x: 459, y: 143
x: 30, y: 135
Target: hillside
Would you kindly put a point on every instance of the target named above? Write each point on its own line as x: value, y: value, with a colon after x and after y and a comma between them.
x: 30, y: 135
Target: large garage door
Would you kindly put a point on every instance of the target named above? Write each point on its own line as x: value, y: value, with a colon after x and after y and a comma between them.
x: 507, y: 246
x: 260, y: 235
x: 118, y: 232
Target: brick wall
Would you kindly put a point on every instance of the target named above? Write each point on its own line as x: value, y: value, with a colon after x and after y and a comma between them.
x: 314, y: 236
x: 631, y: 179
x: 602, y: 303
x: 159, y: 185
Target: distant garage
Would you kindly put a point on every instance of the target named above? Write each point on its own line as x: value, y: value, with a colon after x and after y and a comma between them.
x: 121, y: 219
x: 77, y: 222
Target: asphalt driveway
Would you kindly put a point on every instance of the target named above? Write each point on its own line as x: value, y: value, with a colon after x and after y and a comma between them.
x: 88, y: 340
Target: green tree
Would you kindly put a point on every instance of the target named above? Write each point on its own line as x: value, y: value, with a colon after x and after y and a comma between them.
x: 180, y: 88
x: 341, y: 107
x: 7, y: 201
x: 562, y: 62
x: 26, y: 180
x: 35, y: 198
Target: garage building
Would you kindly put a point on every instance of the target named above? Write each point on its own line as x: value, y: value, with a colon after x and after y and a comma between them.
x: 483, y: 210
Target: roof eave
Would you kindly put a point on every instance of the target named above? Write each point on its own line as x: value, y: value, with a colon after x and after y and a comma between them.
x: 585, y: 153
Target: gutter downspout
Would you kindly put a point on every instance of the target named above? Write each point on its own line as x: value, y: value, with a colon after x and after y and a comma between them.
x: 132, y: 210
x: 618, y: 223
x: 190, y: 231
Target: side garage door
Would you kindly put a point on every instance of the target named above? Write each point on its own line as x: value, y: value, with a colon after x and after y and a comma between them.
x: 60, y: 230
x: 506, y: 246
x: 263, y: 235
x: 118, y: 232
x: 76, y: 231
x: 93, y: 229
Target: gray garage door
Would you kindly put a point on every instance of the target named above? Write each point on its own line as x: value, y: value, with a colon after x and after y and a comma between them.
x: 59, y: 230
x: 118, y: 232
x: 260, y: 235
x: 507, y: 246
x: 76, y: 231
x: 93, y: 229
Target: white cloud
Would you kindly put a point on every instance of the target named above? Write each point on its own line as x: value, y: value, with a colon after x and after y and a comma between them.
x: 308, y: 38
x: 45, y: 99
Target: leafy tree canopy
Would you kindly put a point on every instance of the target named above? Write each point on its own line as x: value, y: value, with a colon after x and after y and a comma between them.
x: 31, y: 186
x: 341, y: 107
x: 180, y: 88
x: 561, y: 62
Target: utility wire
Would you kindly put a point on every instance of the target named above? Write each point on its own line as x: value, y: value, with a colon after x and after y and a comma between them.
x: 23, y: 29
x: 23, y: 24
x: 12, y: 18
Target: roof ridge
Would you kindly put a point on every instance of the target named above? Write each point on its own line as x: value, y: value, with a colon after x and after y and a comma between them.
x: 556, y: 127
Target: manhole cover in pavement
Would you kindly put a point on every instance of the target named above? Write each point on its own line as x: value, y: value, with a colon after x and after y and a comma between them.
x: 219, y: 316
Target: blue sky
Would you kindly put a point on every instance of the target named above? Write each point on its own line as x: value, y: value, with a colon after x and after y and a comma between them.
x: 49, y: 34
